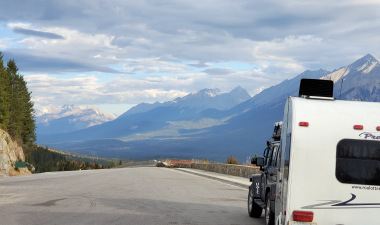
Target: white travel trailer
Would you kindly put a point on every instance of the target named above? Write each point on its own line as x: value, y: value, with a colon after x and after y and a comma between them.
x: 327, y: 166
x: 329, y: 170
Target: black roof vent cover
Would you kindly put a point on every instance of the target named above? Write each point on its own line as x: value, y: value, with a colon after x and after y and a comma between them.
x: 316, y: 87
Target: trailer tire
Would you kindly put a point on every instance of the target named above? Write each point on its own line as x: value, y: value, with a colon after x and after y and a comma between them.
x: 269, y: 215
x: 254, y: 210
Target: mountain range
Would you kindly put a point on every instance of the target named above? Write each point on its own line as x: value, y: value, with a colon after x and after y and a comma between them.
x: 143, y: 116
x: 62, y: 119
x: 199, y: 100
x: 205, y: 124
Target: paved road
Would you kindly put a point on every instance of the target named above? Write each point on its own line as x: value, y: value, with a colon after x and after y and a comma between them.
x: 121, y: 196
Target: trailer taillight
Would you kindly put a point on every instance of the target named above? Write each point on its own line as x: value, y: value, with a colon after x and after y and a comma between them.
x: 358, y: 127
x: 303, y: 216
x: 304, y: 124
x: 378, y: 128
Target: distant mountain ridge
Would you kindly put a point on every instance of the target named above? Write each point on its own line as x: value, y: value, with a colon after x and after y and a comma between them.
x: 286, y: 88
x: 173, y: 129
x: 145, y: 116
x: 67, y: 118
x: 364, y: 65
x: 357, y: 81
x: 200, y: 100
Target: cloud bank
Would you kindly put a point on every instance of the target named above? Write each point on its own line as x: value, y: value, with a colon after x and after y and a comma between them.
x: 131, y: 51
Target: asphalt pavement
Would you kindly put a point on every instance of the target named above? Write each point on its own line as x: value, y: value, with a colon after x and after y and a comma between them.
x: 136, y: 196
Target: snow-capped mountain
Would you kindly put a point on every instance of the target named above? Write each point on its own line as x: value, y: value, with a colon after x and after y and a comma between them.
x: 357, y: 81
x: 212, y: 99
x: 60, y: 119
x: 364, y: 65
x: 199, y: 100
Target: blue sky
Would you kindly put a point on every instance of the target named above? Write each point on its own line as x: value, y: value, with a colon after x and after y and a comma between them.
x: 116, y: 54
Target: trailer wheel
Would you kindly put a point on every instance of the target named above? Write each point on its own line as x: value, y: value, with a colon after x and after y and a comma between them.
x: 254, y: 210
x: 269, y: 215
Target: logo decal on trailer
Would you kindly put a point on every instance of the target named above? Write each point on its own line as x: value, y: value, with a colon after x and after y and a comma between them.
x: 367, y: 135
x: 336, y: 204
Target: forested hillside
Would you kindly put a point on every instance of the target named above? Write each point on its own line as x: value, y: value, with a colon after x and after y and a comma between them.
x: 46, y: 160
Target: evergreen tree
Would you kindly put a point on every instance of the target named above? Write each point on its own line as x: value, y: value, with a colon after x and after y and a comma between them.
x: 21, y: 124
x: 112, y: 164
x: 28, y: 134
x: 4, y: 95
x: 14, y: 127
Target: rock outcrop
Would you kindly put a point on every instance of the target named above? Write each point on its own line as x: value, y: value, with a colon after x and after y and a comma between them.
x: 10, y: 153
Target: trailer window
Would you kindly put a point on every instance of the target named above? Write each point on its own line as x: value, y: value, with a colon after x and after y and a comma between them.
x: 358, y: 162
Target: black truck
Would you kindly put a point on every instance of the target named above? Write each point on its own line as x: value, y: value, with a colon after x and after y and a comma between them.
x: 262, y: 191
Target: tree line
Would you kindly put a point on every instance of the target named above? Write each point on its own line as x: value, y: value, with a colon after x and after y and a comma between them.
x: 45, y: 160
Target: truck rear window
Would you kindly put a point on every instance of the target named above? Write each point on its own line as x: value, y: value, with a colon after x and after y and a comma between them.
x: 358, y: 162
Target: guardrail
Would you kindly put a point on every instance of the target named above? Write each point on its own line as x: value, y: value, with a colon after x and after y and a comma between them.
x: 229, y: 169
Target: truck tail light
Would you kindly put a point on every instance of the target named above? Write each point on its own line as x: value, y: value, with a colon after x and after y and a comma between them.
x: 304, y: 124
x: 358, y: 127
x: 378, y: 128
x: 303, y: 216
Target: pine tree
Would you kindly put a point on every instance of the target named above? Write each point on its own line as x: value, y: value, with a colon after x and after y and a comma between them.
x: 4, y: 95
x: 28, y: 122
x: 112, y: 164
x: 21, y: 124
x: 14, y: 127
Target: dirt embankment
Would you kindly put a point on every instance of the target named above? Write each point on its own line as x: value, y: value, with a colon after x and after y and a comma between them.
x: 10, y: 153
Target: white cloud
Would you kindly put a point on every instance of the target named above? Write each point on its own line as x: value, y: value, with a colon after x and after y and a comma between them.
x: 152, y: 65
x: 4, y: 43
x: 73, y: 41
x: 20, y: 25
x: 88, y: 89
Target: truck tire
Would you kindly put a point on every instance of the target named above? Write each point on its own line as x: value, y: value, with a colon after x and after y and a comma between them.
x: 254, y: 210
x: 269, y: 215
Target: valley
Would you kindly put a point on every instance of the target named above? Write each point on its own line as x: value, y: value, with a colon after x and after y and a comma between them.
x: 207, y: 123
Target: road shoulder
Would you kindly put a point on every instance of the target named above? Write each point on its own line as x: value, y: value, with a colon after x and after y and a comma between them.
x: 234, y: 180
